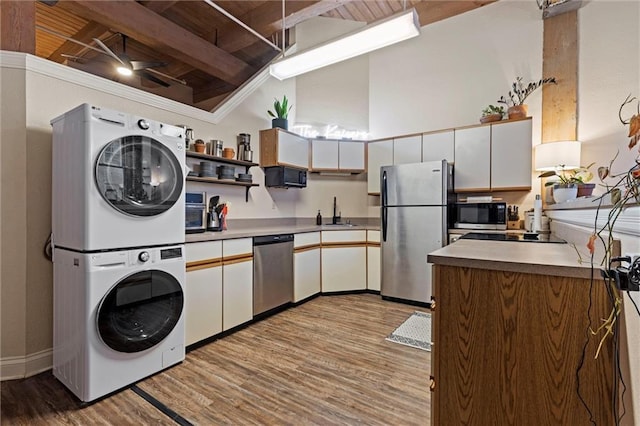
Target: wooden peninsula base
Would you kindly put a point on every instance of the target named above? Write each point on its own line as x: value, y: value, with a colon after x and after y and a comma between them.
x: 507, y: 346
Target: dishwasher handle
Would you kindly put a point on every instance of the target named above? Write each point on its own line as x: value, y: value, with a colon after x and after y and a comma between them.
x: 272, y: 239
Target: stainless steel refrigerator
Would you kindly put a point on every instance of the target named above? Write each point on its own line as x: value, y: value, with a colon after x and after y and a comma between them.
x: 414, y: 201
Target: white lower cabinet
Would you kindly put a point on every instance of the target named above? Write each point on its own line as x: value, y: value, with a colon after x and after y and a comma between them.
x: 344, y: 261
x: 306, y: 265
x: 203, y: 292
x: 237, y: 279
x: 373, y: 260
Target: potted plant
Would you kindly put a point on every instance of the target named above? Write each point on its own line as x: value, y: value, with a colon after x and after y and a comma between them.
x: 624, y: 192
x: 518, y: 94
x: 571, y: 183
x: 492, y: 113
x: 280, y: 113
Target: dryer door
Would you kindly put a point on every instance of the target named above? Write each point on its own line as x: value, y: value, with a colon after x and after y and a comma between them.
x: 140, y: 311
x: 139, y: 176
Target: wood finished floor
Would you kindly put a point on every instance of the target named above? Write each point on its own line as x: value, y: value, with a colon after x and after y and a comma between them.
x: 325, y: 362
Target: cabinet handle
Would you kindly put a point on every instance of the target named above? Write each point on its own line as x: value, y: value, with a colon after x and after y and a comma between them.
x: 432, y: 383
x: 433, y: 304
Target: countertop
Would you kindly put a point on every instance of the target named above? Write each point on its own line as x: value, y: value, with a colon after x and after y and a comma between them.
x: 256, y: 231
x: 526, y: 257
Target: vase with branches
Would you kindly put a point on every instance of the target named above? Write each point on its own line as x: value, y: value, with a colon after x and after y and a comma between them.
x: 519, y: 93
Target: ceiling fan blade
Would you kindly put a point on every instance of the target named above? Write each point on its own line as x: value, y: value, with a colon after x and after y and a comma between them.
x: 153, y: 78
x: 139, y: 65
x: 109, y: 51
x: 74, y: 58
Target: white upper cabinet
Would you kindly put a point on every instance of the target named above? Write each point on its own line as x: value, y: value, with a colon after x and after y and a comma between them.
x: 494, y: 157
x: 407, y: 149
x: 279, y: 147
x: 472, y: 170
x: 437, y: 146
x: 379, y: 154
x: 337, y: 155
x: 352, y: 155
x: 325, y: 154
x: 511, y: 156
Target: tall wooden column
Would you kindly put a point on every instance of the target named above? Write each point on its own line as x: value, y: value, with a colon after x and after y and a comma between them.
x: 560, y: 60
x: 17, y: 26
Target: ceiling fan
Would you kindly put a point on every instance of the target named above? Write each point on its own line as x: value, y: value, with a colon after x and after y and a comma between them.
x: 129, y: 67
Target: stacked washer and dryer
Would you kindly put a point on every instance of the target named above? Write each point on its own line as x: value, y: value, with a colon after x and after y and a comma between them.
x: 118, y: 249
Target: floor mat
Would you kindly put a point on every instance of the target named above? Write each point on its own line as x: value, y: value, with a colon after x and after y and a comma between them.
x: 414, y: 332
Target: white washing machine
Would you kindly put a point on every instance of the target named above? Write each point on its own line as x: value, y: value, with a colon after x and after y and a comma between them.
x: 118, y: 317
x: 118, y: 181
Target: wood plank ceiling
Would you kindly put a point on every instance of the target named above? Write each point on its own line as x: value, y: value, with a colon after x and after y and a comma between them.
x: 207, y: 55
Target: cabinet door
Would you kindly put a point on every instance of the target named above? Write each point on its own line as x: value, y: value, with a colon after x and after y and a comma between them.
x: 407, y: 150
x: 324, y: 155
x: 237, y: 294
x: 203, y: 304
x: 237, y: 282
x: 511, y: 156
x: 373, y: 260
x: 293, y: 150
x: 351, y: 155
x: 438, y: 146
x: 472, y: 171
x: 306, y: 275
x: 344, y: 269
x: 378, y: 154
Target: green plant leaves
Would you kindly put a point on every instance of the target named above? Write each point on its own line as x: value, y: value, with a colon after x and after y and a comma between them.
x: 280, y: 109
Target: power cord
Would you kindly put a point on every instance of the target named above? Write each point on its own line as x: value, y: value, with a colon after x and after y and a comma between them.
x: 48, y: 248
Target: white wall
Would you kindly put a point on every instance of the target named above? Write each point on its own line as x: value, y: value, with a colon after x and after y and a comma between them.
x: 455, y: 68
x: 337, y: 94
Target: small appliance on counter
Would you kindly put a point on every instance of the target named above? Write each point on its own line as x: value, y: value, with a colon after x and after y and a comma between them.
x: 195, y: 212
x: 216, y: 215
x: 481, y: 215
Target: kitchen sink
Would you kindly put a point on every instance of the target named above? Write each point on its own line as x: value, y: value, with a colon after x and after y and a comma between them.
x: 347, y: 225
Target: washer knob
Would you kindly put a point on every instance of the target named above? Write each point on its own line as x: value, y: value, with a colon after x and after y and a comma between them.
x: 143, y: 124
x: 143, y: 256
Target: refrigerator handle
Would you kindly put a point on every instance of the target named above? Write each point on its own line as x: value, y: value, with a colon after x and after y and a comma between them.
x: 384, y: 187
x: 384, y: 205
x: 384, y: 223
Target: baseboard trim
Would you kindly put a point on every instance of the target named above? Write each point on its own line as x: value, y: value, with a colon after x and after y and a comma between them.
x: 20, y: 367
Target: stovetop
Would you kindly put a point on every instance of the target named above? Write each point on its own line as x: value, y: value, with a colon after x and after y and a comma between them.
x: 517, y: 237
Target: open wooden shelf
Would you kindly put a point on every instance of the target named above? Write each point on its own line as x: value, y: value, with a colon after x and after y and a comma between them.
x: 246, y: 164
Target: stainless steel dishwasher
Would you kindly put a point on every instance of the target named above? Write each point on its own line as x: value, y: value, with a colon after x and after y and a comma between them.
x: 272, y: 272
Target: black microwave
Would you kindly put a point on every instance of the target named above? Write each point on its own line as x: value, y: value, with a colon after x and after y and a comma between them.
x: 480, y: 215
x: 285, y: 177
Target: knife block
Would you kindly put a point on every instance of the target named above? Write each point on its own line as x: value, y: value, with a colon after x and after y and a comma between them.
x: 514, y: 224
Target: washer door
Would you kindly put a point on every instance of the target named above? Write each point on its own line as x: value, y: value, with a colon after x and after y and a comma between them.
x: 138, y: 176
x: 140, y: 311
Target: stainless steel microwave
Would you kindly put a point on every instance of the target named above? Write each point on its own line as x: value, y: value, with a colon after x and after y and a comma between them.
x: 195, y: 216
x: 480, y: 215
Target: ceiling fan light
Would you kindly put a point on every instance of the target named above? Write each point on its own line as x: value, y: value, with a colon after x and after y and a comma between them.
x: 394, y: 29
x: 124, y: 71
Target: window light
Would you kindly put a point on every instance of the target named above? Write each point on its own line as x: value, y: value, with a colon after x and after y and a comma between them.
x: 394, y: 29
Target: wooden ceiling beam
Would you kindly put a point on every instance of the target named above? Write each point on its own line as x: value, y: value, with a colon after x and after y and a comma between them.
x: 157, y: 6
x: 86, y: 35
x: 142, y: 24
x: 17, y: 26
x: 434, y: 11
x: 267, y: 19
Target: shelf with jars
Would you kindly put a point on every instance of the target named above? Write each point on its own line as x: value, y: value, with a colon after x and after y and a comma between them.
x: 224, y: 161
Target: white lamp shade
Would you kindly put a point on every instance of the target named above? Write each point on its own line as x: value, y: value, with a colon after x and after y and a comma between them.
x: 394, y: 29
x: 557, y: 155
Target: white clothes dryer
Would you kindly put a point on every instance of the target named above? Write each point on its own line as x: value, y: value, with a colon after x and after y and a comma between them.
x: 118, y: 317
x: 118, y: 181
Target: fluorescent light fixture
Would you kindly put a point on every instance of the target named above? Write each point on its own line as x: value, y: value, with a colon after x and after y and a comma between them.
x: 124, y: 71
x: 557, y: 156
x: 394, y: 29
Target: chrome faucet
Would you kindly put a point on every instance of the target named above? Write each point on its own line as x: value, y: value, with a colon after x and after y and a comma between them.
x: 336, y: 218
